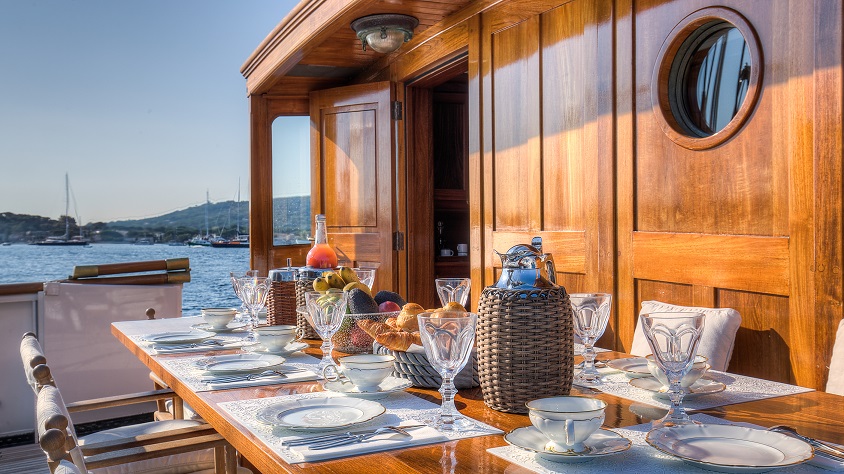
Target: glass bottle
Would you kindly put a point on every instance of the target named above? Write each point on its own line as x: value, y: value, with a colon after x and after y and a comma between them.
x: 321, y: 254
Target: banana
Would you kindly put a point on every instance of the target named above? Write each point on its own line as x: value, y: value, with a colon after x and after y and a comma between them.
x: 358, y: 285
x: 348, y: 275
x: 334, y: 280
x: 320, y: 284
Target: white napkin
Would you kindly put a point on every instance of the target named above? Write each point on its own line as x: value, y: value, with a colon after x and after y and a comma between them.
x: 386, y: 441
x: 298, y: 376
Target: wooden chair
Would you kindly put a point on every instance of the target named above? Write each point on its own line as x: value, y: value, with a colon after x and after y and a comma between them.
x: 173, y: 446
x: 719, y: 332
x: 835, y: 382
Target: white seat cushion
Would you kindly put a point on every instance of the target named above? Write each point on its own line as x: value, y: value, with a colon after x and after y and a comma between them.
x: 177, y: 464
x: 719, y: 332
x: 835, y: 383
x: 66, y: 467
x: 187, y: 410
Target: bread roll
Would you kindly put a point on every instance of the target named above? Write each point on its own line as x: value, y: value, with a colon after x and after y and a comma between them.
x: 407, y: 318
x: 398, y: 340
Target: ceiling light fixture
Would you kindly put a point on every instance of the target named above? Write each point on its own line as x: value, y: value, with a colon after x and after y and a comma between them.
x: 384, y: 33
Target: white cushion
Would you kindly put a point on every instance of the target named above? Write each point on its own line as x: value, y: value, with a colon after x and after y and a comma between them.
x: 66, y: 467
x: 187, y: 410
x: 719, y: 332
x: 177, y: 464
x: 835, y: 383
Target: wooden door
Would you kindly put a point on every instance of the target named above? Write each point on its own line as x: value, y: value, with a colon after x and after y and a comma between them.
x: 545, y: 165
x: 354, y: 174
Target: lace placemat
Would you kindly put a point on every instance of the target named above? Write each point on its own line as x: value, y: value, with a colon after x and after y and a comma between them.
x: 641, y: 457
x: 401, y: 407
x: 185, y: 369
x: 739, y: 389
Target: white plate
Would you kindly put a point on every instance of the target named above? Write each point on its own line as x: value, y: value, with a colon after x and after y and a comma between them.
x: 602, y: 443
x: 237, y: 363
x: 703, y: 386
x: 177, y: 337
x: 632, y: 366
x: 286, y: 350
x: 320, y: 414
x: 232, y: 326
x: 729, y: 448
x: 385, y: 388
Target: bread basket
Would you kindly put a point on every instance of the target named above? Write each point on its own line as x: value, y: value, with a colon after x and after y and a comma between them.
x: 414, y: 366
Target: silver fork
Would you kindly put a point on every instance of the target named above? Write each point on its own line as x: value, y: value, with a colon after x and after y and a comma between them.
x: 353, y: 439
x: 317, y: 440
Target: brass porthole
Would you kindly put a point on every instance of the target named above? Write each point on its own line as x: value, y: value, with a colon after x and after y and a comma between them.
x: 707, y: 78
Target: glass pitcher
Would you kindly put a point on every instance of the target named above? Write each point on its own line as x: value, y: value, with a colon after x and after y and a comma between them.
x: 525, y: 267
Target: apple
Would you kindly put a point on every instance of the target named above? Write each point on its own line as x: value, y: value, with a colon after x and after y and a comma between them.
x: 388, y: 306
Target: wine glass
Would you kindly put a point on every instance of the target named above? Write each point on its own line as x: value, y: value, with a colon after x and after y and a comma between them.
x: 447, y: 338
x: 453, y: 289
x: 366, y: 276
x: 233, y: 276
x: 325, y: 312
x: 673, y: 338
x: 253, y: 293
x: 591, y: 312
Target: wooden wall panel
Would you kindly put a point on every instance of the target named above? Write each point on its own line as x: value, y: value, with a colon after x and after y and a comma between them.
x: 350, y: 181
x: 516, y: 161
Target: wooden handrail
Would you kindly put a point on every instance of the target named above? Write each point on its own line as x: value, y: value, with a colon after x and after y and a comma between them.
x: 20, y: 288
x: 182, y: 276
x: 89, y: 271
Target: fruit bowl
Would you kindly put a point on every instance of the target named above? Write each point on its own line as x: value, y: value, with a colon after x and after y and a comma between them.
x: 353, y: 340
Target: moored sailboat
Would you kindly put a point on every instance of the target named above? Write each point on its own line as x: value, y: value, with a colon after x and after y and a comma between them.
x: 65, y: 239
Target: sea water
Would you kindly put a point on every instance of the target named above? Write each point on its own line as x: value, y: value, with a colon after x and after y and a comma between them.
x: 209, y: 286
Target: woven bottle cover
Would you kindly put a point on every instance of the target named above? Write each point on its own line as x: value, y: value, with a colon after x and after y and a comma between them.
x: 305, y: 277
x: 525, y: 346
x: 281, y: 300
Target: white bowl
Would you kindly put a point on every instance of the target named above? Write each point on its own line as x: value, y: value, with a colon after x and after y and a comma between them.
x: 698, y: 369
x: 567, y: 421
x: 275, y: 338
x: 218, y: 318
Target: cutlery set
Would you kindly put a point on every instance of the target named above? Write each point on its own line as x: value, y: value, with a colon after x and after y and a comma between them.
x: 351, y: 437
x: 821, y: 448
x: 249, y: 377
x: 208, y: 342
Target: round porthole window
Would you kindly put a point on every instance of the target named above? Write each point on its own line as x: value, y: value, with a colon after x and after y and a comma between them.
x: 707, y: 77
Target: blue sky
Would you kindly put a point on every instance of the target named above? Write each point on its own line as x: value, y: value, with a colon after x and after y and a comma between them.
x: 140, y: 101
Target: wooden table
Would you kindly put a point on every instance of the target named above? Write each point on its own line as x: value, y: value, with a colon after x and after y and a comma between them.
x: 815, y: 414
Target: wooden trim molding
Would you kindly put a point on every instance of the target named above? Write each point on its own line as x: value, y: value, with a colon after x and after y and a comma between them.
x: 738, y: 262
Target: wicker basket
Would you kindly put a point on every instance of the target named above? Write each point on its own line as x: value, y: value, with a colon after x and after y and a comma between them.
x: 416, y: 368
x: 304, y: 285
x: 525, y: 348
x: 281, y: 303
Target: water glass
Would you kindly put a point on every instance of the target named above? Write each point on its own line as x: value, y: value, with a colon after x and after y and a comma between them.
x: 325, y: 313
x: 453, y: 289
x: 448, y: 339
x: 242, y: 315
x: 673, y: 338
x: 591, y: 312
x: 253, y: 293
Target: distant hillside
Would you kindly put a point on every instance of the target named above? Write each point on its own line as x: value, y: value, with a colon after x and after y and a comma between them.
x: 223, y: 218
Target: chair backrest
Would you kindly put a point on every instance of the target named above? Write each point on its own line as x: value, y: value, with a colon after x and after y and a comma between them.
x: 835, y: 382
x: 719, y: 332
x: 32, y: 356
x: 56, y: 434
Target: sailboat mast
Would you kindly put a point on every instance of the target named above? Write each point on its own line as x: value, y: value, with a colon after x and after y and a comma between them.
x: 238, y: 209
x: 66, y: 207
x: 207, y: 203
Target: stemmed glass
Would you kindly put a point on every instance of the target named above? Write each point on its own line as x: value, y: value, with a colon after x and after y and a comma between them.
x: 453, y: 289
x: 325, y: 312
x: 233, y: 276
x: 447, y: 338
x: 253, y: 293
x: 591, y: 312
x: 673, y: 338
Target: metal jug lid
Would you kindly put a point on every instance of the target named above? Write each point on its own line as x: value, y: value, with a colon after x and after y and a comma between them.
x: 287, y: 273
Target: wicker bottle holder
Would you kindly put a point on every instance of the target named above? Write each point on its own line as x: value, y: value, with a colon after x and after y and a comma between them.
x: 525, y: 346
x: 281, y: 303
x: 303, y: 285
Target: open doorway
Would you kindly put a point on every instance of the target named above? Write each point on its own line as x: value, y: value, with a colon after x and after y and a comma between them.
x: 438, y: 180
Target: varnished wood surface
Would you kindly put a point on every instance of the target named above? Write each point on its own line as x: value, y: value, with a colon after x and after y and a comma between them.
x: 814, y: 414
